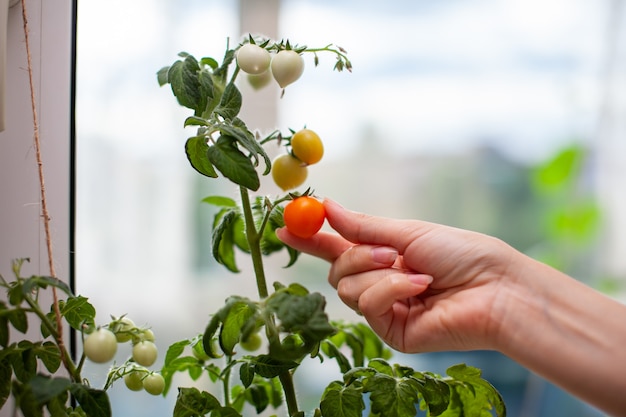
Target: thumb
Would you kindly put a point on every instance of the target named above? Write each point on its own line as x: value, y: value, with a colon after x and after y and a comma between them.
x: 362, y: 228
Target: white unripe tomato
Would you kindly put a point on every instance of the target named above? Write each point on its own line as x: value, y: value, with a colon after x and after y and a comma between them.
x: 100, y: 346
x: 145, y: 353
x: 287, y: 66
x: 252, y: 59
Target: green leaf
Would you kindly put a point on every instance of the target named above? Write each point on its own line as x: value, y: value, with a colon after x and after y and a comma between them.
x: 95, y: 402
x: 257, y: 396
x: 238, y: 316
x: 162, y: 77
x: 34, y: 282
x: 223, y: 240
x: 188, y: 364
x: 4, y: 325
x: 25, y: 399
x: 269, y: 367
x: 560, y: 171
x: 24, y: 361
x: 45, y: 388
x: 190, y: 402
x: 220, y: 201
x: 195, y: 121
x: 332, y: 351
x: 78, y: 311
x: 230, y: 104
x: 175, y: 350
x: 196, y: 149
x: 392, y: 397
x: 49, y: 354
x: 246, y: 373
x: 183, y: 78
x: 302, y: 314
x: 475, y: 393
x: 5, y: 381
x: 233, y: 164
x: 238, y: 130
x: 18, y: 320
x: 340, y: 401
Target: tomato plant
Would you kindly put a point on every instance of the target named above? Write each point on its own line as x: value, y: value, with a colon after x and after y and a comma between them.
x: 281, y: 328
x: 307, y: 146
x: 100, y: 346
x: 304, y: 216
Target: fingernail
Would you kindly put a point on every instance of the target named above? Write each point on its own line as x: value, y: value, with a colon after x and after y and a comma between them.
x: 420, y: 279
x: 384, y: 254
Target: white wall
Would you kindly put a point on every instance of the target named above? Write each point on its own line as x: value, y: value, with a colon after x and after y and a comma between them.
x: 21, y: 231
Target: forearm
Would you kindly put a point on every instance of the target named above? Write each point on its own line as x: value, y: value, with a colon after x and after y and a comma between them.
x: 566, y: 332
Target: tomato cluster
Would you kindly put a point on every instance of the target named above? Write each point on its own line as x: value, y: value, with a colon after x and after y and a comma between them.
x: 100, y: 346
x: 290, y: 170
x: 286, y: 66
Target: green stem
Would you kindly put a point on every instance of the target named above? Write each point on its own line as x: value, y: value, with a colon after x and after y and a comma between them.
x: 286, y: 380
x: 254, y: 241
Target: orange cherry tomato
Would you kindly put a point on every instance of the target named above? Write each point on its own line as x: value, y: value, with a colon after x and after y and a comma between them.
x: 304, y: 216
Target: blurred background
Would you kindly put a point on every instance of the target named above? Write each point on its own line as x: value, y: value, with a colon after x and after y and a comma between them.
x: 505, y: 117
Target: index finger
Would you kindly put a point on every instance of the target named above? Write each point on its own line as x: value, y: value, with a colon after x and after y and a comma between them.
x: 324, y: 245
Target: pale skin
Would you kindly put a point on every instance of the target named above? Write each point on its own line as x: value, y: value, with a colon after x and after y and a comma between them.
x: 425, y: 287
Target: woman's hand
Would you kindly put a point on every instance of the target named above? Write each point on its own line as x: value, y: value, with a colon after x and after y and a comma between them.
x: 421, y: 286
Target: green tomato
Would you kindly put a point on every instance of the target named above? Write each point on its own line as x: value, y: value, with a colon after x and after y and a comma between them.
x: 258, y: 81
x: 288, y: 172
x: 145, y: 353
x: 133, y: 381
x: 100, y: 346
x: 154, y: 384
x: 252, y: 59
x: 287, y: 66
x: 251, y: 343
x: 123, y: 329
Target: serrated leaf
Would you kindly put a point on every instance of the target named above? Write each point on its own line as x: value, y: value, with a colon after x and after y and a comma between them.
x: 233, y: 164
x: 190, y: 402
x: 18, y: 320
x: 180, y: 364
x: 162, y: 77
x: 49, y: 354
x: 392, y: 397
x: 302, y: 314
x: 269, y: 367
x: 333, y: 351
x: 5, y: 381
x: 196, y: 149
x: 4, y: 325
x: 24, y: 361
x: 95, y: 402
x: 77, y: 311
x: 195, y: 121
x: 29, y: 285
x: 222, y: 239
x: 175, y: 350
x: 475, y: 393
x: 220, y: 201
x: 238, y: 130
x: 340, y: 401
x: 246, y: 373
x: 230, y: 103
x: 258, y: 397
x: 238, y: 315
x: 183, y: 79
x: 45, y: 388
